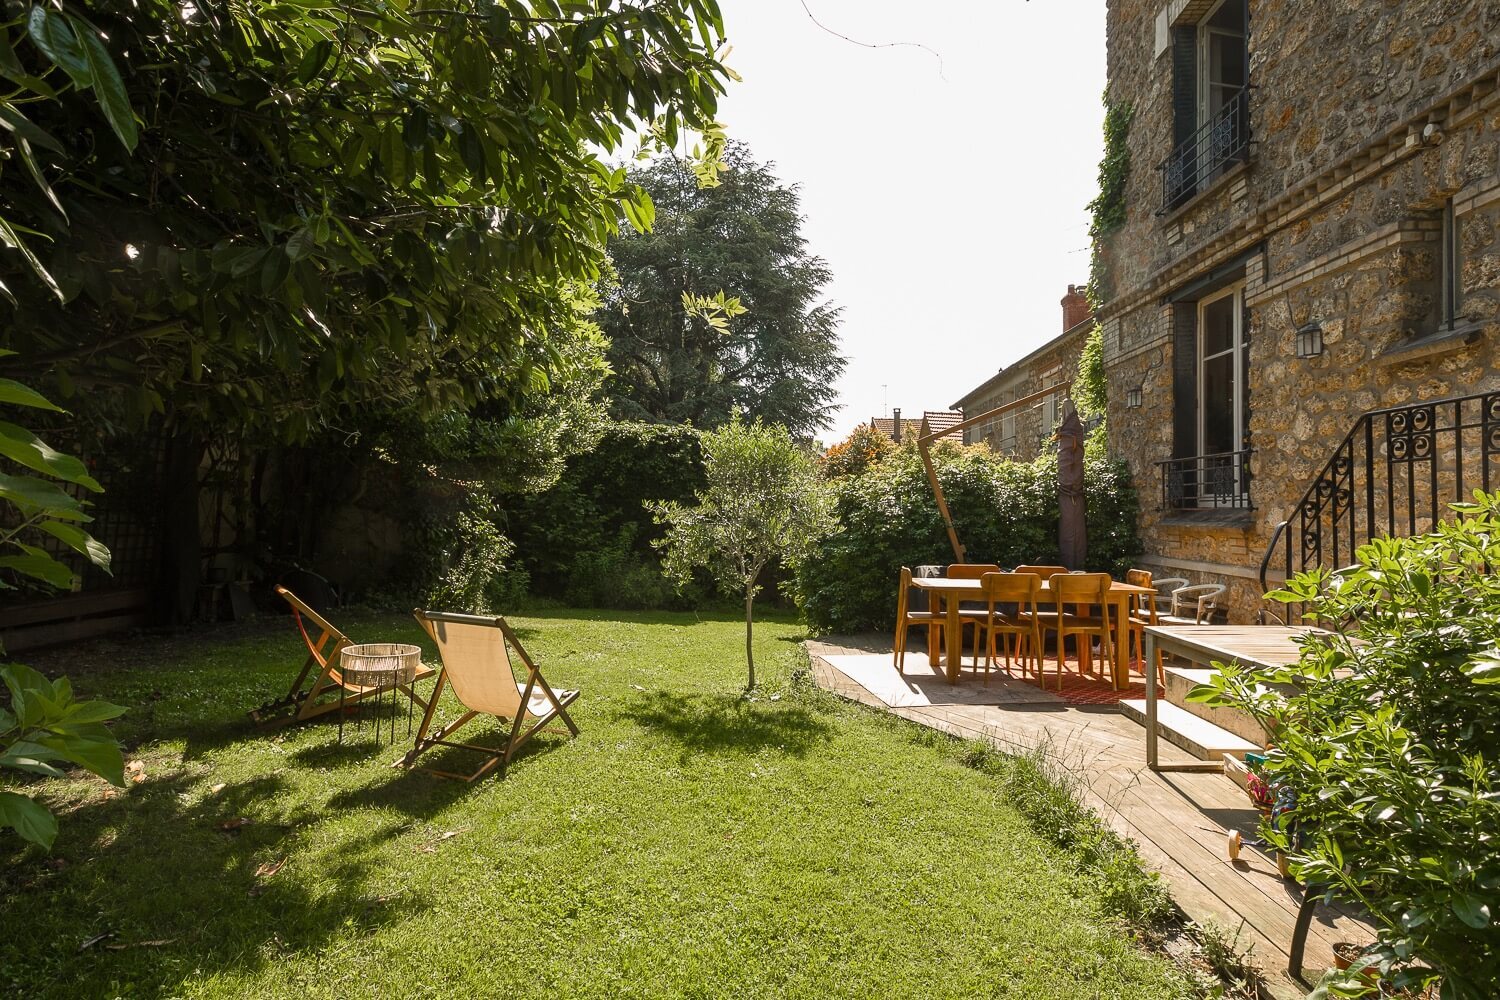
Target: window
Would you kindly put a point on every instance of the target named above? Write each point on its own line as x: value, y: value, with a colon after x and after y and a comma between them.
x: 1211, y: 420
x: 1210, y: 81
x: 1008, y: 426
x: 1450, y: 271
x: 1051, y: 403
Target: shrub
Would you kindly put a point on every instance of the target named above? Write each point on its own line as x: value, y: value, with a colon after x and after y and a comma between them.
x: 864, y: 447
x: 1387, y: 738
x: 462, y: 561
x: 1005, y: 512
x: 573, y: 529
x: 44, y: 726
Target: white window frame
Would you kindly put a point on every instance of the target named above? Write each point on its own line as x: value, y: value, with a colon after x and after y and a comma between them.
x: 1236, y: 293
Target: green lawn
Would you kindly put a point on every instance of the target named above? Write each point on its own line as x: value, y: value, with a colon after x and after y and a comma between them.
x: 686, y: 844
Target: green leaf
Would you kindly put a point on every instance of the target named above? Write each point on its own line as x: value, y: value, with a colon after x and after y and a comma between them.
x: 53, y: 34
x: 108, y: 86
x: 1472, y: 910
x: 1484, y: 668
x: 11, y: 238
x: 24, y: 447
x: 22, y: 126
x: 97, y: 753
x: 40, y: 495
x: 40, y: 566
x: 79, y: 541
x: 30, y: 820
x: 81, y: 712
x: 16, y: 394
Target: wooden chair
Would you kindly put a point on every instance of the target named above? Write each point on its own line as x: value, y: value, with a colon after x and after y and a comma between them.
x: 1142, y: 613
x: 1017, y: 594
x: 905, y: 616
x: 302, y: 702
x: 477, y: 664
x: 1080, y: 591
x: 1044, y: 572
x: 971, y: 611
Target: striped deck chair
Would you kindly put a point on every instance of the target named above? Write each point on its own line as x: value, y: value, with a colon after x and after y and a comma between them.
x: 301, y: 702
x: 477, y: 664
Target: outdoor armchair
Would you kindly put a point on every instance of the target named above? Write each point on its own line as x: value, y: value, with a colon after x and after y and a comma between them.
x: 477, y: 665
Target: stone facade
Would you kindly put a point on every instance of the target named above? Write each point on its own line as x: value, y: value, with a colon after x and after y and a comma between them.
x: 1027, y: 431
x: 1374, y: 134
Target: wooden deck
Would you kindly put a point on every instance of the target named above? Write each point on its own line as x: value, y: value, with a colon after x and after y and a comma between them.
x: 1180, y: 820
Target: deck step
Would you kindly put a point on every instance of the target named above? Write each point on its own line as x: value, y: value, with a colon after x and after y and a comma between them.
x: 1182, y: 679
x: 1198, y: 737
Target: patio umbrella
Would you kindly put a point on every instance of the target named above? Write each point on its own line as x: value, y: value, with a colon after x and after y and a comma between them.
x: 1072, y: 529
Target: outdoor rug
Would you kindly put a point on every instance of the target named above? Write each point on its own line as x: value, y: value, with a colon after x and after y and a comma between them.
x: 924, y: 685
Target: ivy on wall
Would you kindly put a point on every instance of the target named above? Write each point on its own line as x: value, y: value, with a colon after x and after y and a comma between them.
x: 1107, y: 212
x: 1108, y: 207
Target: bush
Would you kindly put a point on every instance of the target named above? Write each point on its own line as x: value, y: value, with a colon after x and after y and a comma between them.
x: 864, y: 447
x: 617, y: 576
x: 1005, y: 512
x: 1386, y: 741
x: 462, y: 561
x: 595, y: 518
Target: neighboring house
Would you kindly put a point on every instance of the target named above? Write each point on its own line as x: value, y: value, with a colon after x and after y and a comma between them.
x: 937, y: 421
x: 1024, y: 432
x: 896, y: 429
x: 1312, y: 233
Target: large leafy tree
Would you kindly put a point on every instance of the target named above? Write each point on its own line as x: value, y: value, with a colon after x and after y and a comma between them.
x: 268, y: 216
x: 676, y: 361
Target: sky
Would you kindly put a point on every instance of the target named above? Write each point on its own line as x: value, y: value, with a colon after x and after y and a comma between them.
x: 945, y: 186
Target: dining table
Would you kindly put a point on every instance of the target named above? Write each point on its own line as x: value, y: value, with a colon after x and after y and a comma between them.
x: 951, y: 592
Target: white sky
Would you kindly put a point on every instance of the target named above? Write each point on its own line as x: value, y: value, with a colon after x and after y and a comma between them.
x: 949, y: 201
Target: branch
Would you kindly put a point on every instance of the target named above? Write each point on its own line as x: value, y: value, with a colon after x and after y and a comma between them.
x: 876, y: 45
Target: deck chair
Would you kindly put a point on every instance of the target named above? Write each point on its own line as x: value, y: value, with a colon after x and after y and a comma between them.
x: 477, y: 663
x: 301, y: 702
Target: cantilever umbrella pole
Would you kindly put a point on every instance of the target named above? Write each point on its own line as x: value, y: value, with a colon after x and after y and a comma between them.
x: 926, y: 439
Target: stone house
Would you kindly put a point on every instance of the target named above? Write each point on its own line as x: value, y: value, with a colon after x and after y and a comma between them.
x: 1311, y: 238
x: 1026, y: 432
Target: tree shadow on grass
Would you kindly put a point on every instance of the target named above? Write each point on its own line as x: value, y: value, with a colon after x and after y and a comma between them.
x: 169, y: 882
x: 727, y: 723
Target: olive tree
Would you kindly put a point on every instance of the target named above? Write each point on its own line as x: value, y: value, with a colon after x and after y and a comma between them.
x: 763, y: 501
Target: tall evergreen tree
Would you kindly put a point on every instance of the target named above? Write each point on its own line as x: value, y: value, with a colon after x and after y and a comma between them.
x: 673, y: 362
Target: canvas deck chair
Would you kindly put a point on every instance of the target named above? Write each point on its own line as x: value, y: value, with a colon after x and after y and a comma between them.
x: 477, y: 664
x: 303, y: 702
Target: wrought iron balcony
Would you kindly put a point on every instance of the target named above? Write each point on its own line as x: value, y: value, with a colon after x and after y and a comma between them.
x: 1221, y: 142
x: 1206, y: 482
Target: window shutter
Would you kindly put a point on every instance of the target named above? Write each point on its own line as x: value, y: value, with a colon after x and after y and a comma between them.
x: 1184, y: 379
x: 1184, y: 83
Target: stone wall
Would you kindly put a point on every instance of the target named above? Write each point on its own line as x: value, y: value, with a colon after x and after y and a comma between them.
x: 1365, y: 118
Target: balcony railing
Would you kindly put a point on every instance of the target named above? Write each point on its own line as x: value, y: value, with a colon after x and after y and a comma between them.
x: 1222, y: 141
x: 1206, y: 482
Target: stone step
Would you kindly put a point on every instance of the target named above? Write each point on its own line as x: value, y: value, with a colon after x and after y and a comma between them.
x: 1198, y: 737
x: 1181, y: 680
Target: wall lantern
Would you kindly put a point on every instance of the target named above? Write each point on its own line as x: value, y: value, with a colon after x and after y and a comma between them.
x: 1133, y: 397
x: 1310, y: 340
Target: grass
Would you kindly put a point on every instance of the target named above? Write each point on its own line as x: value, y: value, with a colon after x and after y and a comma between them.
x: 688, y: 843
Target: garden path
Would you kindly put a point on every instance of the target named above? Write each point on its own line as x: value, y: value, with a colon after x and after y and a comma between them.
x: 1179, y: 820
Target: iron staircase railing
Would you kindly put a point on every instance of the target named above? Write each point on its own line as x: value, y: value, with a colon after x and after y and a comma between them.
x: 1395, y: 474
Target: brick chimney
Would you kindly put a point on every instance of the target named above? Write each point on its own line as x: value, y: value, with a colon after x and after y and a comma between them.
x: 1075, y: 307
x: 896, y: 425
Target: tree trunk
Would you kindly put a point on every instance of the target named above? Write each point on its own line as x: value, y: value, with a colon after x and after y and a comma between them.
x: 749, y: 653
